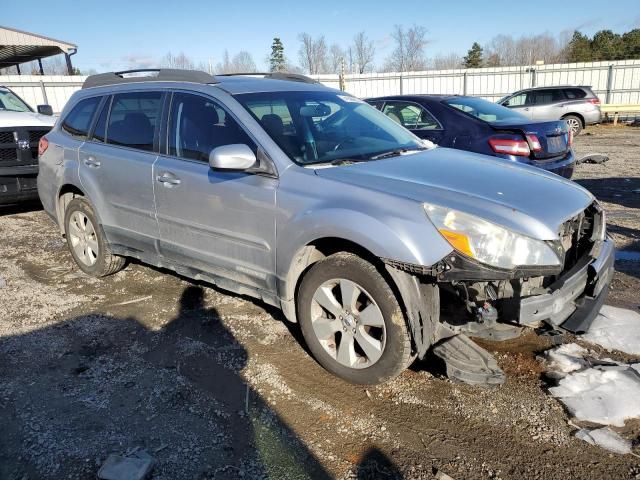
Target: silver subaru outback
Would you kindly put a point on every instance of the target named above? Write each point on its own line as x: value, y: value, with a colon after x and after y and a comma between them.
x: 379, y: 245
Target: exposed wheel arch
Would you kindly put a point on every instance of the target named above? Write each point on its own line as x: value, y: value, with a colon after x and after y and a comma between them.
x: 315, y: 251
x: 67, y: 193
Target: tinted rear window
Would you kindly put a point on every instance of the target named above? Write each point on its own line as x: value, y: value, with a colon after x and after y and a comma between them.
x: 485, y: 110
x: 133, y: 119
x: 78, y: 121
x: 575, y: 93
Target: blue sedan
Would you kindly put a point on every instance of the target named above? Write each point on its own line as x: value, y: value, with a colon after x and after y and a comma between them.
x: 476, y: 125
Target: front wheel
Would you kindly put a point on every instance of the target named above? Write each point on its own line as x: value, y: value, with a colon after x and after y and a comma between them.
x: 351, y: 320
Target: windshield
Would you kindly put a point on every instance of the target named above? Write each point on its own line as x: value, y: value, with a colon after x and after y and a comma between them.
x: 486, y: 111
x: 10, y: 101
x: 327, y: 127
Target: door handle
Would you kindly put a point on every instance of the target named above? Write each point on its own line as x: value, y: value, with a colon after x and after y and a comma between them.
x: 168, y: 179
x: 526, y: 109
x: 91, y: 161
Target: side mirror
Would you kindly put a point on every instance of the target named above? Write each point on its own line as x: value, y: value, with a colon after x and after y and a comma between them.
x: 45, y: 110
x: 236, y: 156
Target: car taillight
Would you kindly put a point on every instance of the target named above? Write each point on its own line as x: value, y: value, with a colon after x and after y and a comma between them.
x: 595, y: 101
x: 43, y: 144
x: 570, y: 137
x: 510, y: 146
x: 534, y: 143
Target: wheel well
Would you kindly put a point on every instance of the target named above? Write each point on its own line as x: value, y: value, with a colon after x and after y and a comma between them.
x: 580, y: 117
x: 313, y: 253
x: 67, y: 193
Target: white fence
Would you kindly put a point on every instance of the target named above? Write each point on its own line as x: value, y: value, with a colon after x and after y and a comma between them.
x: 614, y: 82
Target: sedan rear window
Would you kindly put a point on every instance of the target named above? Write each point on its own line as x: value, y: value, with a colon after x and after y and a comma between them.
x: 484, y: 110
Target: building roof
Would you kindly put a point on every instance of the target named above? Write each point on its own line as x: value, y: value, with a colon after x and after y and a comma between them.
x: 17, y: 47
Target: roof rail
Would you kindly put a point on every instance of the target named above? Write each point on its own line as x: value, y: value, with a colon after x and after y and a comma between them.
x: 292, y: 77
x: 161, y: 75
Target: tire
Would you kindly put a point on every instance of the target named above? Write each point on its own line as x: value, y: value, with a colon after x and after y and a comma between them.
x: 84, y: 236
x: 574, y: 123
x: 376, y: 344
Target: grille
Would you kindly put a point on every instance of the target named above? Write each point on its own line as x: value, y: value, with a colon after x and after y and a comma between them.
x: 35, y: 136
x: 8, y: 154
x: 7, y: 137
x: 577, y: 236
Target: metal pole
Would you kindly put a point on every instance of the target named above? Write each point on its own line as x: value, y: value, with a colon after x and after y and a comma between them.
x: 464, y: 83
x: 533, y: 77
x: 44, y: 92
x: 40, y: 66
x: 69, y: 66
x: 609, y: 84
x: 400, y: 83
x: 18, y: 69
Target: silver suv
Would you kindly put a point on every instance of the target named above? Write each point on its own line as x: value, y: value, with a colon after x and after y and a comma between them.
x: 578, y: 106
x: 274, y: 186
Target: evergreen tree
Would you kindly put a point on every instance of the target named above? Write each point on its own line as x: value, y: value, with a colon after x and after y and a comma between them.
x: 606, y: 45
x: 579, y: 48
x: 631, y: 42
x: 474, y: 56
x: 276, y: 59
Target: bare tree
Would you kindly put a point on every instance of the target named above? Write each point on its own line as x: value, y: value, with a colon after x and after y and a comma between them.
x: 409, y: 52
x: 336, y: 56
x: 313, y: 54
x: 447, y: 62
x: 364, y: 51
x: 180, y: 61
x: 241, y: 62
x: 504, y: 50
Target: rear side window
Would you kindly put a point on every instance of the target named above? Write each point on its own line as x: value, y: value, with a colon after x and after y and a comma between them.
x: 100, y: 130
x: 575, y: 93
x: 411, y: 116
x: 78, y: 121
x: 133, y: 119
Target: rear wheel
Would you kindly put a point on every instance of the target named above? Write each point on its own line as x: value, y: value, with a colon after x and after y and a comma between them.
x: 86, y: 241
x: 352, y: 322
x: 574, y: 123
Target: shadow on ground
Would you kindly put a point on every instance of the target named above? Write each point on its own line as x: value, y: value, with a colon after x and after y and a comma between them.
x: 619, y: 190
x: 98, y: 385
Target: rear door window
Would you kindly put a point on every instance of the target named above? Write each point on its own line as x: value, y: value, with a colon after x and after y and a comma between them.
x: 78, y: 121
x: 411, y: 116
x: 545, y: 97
x: 133, y: 120
x: 517, y: 100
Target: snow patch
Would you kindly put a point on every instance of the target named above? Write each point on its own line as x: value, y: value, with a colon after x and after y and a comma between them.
x: 616, y: 329
x: 605, y: 438
x: 605, y: 394
x: 565, y: 359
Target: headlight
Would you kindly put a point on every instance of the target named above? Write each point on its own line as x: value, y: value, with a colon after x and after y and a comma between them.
x: 488, y: 243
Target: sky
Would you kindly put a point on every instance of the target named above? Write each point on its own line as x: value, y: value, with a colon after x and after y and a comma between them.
x: 121, y: 34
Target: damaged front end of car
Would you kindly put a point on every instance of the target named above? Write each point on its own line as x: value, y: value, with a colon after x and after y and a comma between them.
x: 462, y: 296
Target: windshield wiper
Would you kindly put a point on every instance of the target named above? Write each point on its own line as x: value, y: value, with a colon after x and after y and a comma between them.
x: 395, y: 153
x: 346, y: 161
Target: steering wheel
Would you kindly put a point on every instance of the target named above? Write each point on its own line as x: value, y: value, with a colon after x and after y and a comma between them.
x: 343, y: 143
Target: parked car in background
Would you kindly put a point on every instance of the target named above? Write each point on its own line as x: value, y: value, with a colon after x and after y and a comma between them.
x: 20, y: 131
x: 315, y: 202
x: 576, y: 105
x: 476, y: 125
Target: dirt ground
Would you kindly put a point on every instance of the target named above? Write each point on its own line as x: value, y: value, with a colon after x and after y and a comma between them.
x: 214, y: 385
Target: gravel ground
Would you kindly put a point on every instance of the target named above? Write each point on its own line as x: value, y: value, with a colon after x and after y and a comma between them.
x: 214, y: 385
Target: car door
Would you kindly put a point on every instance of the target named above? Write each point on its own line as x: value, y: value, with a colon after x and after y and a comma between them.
x: 416, y: 118
x: 521, y: 103
x: 221, y: 222
x: 548, y: 104
x: 116, y: 166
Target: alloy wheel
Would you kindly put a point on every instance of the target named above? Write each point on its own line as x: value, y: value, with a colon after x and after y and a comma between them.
x: 348, y: 323
x: 84, y: 240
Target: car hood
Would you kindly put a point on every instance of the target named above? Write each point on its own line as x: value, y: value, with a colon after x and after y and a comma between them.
x: 524, y: 199
x: 25, y: 119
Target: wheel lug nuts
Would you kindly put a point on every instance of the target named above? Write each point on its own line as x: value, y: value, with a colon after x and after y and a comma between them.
x: 344, y: 329
x: 354, y: 330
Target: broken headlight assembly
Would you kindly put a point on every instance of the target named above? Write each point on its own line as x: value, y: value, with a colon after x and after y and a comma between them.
x: 489, y: 243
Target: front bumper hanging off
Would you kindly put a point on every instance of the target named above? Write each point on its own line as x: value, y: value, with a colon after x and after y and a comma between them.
x: 575, y: 299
